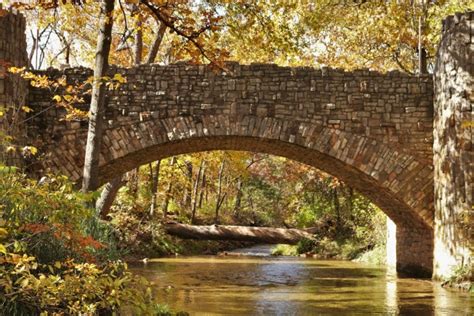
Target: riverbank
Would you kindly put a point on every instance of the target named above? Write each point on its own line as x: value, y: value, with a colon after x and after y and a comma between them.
x: 332, y: 250
x: 181, y: 247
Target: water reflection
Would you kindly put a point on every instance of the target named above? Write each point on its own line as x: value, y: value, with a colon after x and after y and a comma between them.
x: 294, y: 286
x: 391, y: 297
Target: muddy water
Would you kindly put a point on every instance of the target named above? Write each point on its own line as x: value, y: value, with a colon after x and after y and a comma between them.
x: 240, y: 285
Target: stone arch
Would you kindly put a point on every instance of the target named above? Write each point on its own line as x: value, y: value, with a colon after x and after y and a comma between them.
x: 397, y: 182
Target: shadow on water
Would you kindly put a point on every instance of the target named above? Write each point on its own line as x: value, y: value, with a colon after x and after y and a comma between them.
x: 294, y: 286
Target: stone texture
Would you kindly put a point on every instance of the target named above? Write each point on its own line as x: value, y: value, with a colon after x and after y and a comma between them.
x: 453, y: 145
x: 13, y: 90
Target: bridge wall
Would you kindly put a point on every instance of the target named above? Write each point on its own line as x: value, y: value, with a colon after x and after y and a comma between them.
x: 394, y: 108
x: 453, y: 146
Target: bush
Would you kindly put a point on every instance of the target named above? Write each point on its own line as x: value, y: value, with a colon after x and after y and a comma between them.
x: 327, y: 248
x: 305, y: 245
x: 285, y: 250
x: 377, y: 255
x: 140, y: 236
x: 30, y: 288
x: 461, y: 278
x: 48, y: 254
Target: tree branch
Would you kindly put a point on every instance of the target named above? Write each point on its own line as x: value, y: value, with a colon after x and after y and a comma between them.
x: 192, y: 38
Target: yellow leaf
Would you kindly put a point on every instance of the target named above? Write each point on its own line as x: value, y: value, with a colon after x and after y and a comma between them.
x: 10, y: 149
x: 467, y: 124
x: 119, y: 78
x: 26, y: 109
x: 3, y: 249
x: 68, y: 98
x: 33, y: 150
x: 3, y: 233
x: 25, y: 282
x: 62, y: 81
x: 15, y: 70
x: 57, y: 98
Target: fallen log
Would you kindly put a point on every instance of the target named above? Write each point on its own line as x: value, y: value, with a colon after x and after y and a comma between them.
x: 268, y: 235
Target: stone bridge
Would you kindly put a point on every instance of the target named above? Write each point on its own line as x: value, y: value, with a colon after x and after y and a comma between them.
x: 373, y: 131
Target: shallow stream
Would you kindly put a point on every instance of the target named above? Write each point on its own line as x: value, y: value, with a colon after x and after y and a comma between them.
x: 245, y: 285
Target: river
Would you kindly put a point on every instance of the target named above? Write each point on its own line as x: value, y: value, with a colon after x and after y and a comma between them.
x: 260, y: 285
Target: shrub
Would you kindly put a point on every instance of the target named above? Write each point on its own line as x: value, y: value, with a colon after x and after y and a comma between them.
x: 48, y: 254
x: 305, y: 245
x: 461, y: 278
x: 377, y: 255
x: 285, y: 250
x: 30, y: 288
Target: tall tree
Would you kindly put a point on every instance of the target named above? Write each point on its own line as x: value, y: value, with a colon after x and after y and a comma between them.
x: 154, y: 177
x: 199, y: 174
x: 94, y: 134
x: 107, y: 196
x: 220, y: 197
x: 156, y: 43
x: 166, y: 200
x: 138, y: 47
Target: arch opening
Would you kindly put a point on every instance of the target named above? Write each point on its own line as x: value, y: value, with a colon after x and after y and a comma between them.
x: 414, y: 234
x: 393, y: 206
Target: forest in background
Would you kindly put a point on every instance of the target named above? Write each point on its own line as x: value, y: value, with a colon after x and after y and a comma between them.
x: 54, y: 244
x: 248, y: 189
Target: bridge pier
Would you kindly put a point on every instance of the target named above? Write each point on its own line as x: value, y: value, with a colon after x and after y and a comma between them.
x: 414, y: 251
x: 453, y: 146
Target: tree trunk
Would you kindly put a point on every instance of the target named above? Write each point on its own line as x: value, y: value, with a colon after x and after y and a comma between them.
x: 423, y: 63
x: 337, y: 206
x: 132, y: 179
x: 203, y: 189
x: 422, y: 53
x: 166, y: 201
x: 107, y: 196
x: 155, y: 175
x: 156, y: 43
x: 268, y: 235
x: 138, y: 48
x: 186, y: 202
x: 94, y: 134
x: 219, y: 198
x: 238, y: 197
x: 195, y: 191
x: 350, y: 199
x: 33, y: 48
